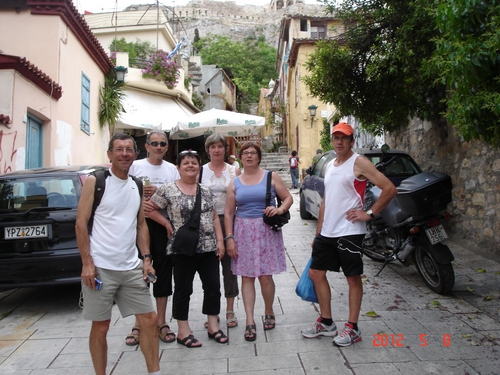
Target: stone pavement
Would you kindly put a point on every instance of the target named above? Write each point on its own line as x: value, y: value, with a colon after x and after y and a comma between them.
x: 413, y: 331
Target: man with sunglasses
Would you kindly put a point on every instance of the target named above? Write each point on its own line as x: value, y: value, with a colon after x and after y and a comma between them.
x: 155, y: 172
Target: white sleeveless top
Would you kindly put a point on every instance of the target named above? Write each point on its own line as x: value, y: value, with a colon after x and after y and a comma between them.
x: 343, y: 192
x: 113, y: 239
x: 218, y: 185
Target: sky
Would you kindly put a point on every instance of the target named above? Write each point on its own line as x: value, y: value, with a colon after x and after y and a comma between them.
x: 96, y: 6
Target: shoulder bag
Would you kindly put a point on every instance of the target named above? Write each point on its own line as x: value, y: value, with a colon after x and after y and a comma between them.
x: 186, y: 237
x: 276, y: 221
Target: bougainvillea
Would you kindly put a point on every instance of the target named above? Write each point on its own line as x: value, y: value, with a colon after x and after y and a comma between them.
x: 161, y: 68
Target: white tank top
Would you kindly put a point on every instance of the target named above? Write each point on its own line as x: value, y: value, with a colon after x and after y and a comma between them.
x: 113, y: 239
x: 343, y: 192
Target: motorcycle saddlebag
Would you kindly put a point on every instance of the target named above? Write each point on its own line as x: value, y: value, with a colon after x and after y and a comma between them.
x: 424, y: 194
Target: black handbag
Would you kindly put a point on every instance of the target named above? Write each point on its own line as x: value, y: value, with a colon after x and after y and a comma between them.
x: 276, y: 221
x: 186, y: 237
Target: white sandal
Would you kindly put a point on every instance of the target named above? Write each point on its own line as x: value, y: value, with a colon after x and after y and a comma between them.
x: 231, y: 322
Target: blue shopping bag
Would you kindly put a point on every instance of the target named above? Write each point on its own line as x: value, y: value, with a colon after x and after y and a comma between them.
x: 305, y: 286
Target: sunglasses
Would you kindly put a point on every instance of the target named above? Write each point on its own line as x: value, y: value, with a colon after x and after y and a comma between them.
x: 155, y: 144
x: 188, y: 152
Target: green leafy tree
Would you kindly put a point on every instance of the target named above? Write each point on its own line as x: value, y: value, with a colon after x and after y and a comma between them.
x: 196, y: 36
x: 418, y: 58
x: 375, y: 69
x: 136, y: 50
x: 467, y: 61
x: 111, y: 97
x: 325, y: 140
x: 252, y: 63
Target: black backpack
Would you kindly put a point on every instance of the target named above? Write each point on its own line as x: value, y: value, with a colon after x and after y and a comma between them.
x: 100, y: 186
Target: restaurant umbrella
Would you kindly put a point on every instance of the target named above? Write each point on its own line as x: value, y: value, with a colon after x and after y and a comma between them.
x: 227, y: 123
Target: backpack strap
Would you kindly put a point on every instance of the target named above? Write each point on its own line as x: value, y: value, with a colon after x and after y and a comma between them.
x: 100, y: 186
x: 139, y: 183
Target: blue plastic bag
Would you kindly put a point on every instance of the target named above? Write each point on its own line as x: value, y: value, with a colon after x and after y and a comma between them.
x: 305, y: 286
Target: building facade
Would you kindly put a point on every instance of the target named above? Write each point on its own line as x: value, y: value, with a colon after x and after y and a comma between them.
x: 51, y: 68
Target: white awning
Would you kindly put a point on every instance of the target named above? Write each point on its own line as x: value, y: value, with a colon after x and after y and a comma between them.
x: 145, y: 110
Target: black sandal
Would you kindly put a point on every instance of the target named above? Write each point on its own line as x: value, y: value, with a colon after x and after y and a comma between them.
x: 218, y: 336
x: 269, y: 322
x: 191, y: 344
x: 249, y: 335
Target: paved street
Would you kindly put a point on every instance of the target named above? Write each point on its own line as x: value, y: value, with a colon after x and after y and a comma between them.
x: 412, y: 331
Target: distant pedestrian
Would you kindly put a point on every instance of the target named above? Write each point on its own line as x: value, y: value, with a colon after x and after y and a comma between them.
x: 294, y: 162
x: 232, y: 161
x: 316, y: 157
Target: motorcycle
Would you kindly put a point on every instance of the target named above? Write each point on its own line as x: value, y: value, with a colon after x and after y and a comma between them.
x: 409, y: 229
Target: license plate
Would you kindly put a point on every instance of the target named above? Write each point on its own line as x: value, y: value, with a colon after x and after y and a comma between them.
x: 436, y: 234
x: 31, y: 231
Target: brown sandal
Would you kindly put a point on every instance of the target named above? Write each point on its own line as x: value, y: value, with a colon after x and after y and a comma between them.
x: 133, y: 336
x: 269, y: 322
x: 250, y: 332
x: 169, y: 336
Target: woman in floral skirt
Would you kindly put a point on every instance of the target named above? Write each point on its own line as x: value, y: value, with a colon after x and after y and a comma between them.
x: 256, y: 250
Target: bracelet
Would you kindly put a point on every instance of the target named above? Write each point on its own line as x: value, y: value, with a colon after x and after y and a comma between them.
x: 147, y: 256
x: 228, y: 237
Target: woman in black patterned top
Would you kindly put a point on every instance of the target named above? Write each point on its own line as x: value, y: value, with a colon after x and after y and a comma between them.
x: 178, y: 200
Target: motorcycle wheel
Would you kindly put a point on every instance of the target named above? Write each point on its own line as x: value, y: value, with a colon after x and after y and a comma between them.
x: 440, y: 278
x: 303, y: 212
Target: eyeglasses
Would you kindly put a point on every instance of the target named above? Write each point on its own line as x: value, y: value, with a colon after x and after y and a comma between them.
x: 155, y: 144
x: 247, y: 153
x: 120, y: 150
x: 188, y: 152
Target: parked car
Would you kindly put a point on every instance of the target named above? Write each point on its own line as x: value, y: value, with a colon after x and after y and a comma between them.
x: 400, y: 166
x: 37, y: 226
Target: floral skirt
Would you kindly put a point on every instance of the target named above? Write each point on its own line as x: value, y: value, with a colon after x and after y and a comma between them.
x: 260, y: 249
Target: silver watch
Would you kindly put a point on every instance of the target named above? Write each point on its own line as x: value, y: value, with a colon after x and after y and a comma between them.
x: 370, y: 213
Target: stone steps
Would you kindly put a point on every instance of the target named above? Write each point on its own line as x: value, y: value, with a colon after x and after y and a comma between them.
x: 278, y: 163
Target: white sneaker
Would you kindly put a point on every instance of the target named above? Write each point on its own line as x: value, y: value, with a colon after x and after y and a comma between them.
x: 348, y: 336
x: 319, y: 329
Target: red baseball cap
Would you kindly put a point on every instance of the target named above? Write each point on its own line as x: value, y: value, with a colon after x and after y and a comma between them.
x: 343, y: 128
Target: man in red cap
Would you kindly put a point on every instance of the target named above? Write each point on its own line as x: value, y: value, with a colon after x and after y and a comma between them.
x: 341, y: 230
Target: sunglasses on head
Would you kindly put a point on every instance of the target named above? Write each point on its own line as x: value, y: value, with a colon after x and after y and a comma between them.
x: 155, y: 144
x: 187, y: 152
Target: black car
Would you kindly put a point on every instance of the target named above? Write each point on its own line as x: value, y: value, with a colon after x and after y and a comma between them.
x: 398, y: 165
x: 37, y: 226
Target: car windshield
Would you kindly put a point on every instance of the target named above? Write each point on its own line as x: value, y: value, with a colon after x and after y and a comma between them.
x: 22, y: 194
x: 395, y: 165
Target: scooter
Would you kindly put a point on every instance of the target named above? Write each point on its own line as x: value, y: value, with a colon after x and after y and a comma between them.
x: 409, y: 229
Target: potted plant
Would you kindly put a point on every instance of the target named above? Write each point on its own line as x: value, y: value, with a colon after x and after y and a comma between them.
x: 162, y: 69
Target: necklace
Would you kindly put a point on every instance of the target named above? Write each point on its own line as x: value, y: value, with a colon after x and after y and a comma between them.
x: 189, y: 187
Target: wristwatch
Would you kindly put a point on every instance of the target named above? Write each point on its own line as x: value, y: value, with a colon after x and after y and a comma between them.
x: 370, y: 213
x: 147, y: 256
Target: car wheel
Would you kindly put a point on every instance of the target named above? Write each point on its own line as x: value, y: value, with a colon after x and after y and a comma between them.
x: 303, y: 212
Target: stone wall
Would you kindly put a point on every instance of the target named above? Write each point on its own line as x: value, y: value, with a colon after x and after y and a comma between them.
x: 474, y: 168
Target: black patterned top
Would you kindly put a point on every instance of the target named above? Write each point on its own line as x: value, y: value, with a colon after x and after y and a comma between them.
x: 179, y: 206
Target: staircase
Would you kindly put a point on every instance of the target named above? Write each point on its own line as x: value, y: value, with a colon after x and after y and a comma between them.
x: 278, y: 163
